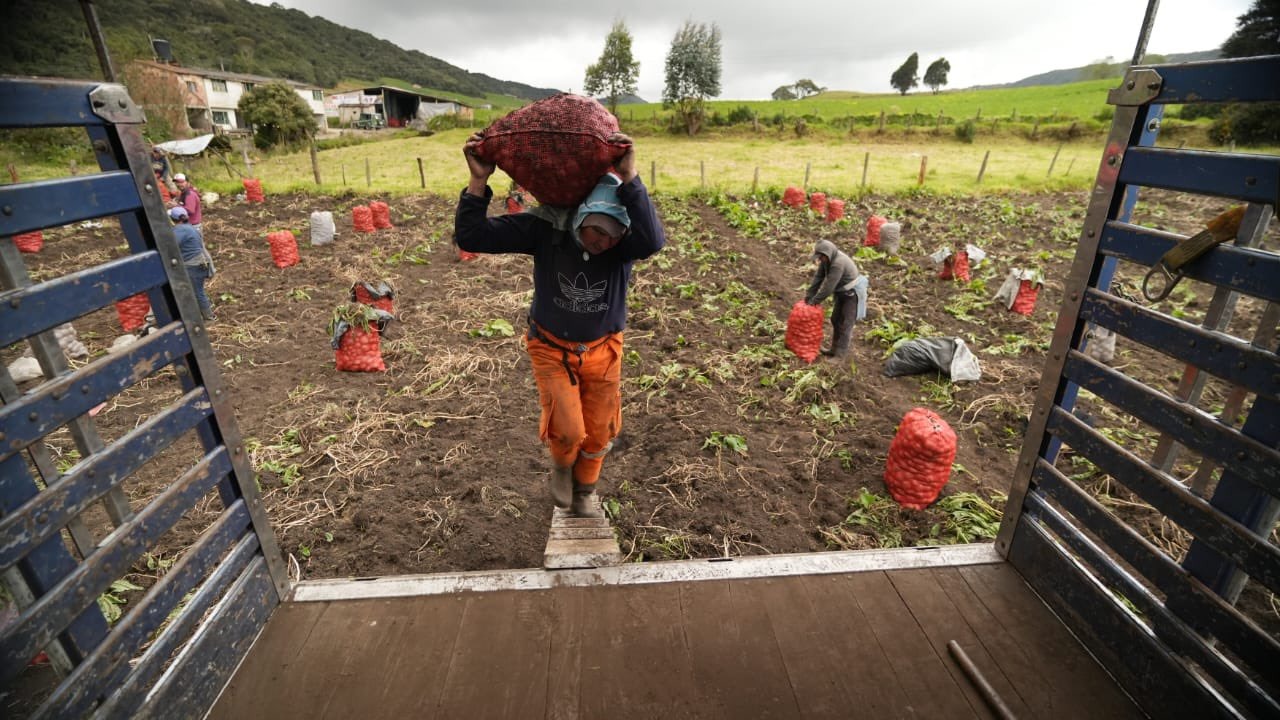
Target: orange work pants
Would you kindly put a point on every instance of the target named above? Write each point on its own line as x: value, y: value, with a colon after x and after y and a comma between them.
x: 580, y: 417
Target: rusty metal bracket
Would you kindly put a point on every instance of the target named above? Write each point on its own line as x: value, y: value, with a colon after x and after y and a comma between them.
x: 1167, y: 272
x: 1140, y: 86
x: 112, y: 103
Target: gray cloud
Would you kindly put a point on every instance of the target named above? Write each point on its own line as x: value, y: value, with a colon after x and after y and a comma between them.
x: 840, y: 45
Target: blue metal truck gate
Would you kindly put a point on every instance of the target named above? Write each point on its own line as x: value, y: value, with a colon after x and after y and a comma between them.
x: 171, y: 653
x: 1166, y: 627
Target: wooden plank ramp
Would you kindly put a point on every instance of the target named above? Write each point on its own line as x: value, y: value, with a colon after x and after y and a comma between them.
x: 580, y: 542
x: 724, y: 642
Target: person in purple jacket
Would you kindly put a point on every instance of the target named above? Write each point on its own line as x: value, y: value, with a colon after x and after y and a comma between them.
x: 188, y: 197
x: 582, y: 259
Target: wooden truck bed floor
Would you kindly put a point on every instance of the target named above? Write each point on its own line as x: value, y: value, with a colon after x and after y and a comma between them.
x: 865, y: 644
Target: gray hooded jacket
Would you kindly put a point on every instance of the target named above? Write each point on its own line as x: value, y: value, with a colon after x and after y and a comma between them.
x: 836, y: 276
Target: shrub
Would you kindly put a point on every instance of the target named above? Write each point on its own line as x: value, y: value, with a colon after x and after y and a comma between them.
x: 1252, y: 124
x: 966, y: 131
x: 741, y: 115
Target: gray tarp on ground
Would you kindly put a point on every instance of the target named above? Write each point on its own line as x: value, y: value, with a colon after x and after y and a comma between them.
x: 947, y: 355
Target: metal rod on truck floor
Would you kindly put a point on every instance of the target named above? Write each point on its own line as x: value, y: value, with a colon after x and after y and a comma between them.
x: 976, y: 677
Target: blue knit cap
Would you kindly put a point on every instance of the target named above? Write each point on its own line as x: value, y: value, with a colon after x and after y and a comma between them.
x: 603, y: 199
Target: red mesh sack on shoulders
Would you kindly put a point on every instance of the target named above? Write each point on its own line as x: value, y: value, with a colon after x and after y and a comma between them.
x: 818, y: 203
x: 793, y: 197
x: 555, y: 148
x: 804, y: 330
x: 284, y: 248
x: 920, y: 458
x: 835, y: 210
x: 873, y: 230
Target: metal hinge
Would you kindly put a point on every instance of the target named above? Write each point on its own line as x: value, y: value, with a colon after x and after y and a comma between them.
x: 1140, y: 86
x: 112, y: 103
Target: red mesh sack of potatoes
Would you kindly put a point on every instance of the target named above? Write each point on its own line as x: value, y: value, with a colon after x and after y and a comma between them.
x: 1025, y: 301
x: 29, y: 242
x: 955, y: 267
x: 165, y: 195
x: 920, y: 458
x: 465, y: 256
x: 381, y: 213
x: 818, y: 203
x: 873, y: 230
x: 380, y: 296
x: 555, y: 148
x: 132, y: 311
x: 362, y: 218
x: 793, y: 197
x: 284, y: 248
x: 253, y: 190
x: 360, y: 350
x: 804, y: 330
x: 835, y: 210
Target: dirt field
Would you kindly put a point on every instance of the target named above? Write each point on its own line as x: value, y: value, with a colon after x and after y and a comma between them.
x: 730, y: 444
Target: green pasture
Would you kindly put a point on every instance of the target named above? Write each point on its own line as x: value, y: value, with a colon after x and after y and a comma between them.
x: 675, y: 164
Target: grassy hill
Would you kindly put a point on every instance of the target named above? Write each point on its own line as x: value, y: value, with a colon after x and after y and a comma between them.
x: 45, y: 37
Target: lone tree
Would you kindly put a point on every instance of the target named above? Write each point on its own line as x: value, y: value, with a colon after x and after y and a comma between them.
x: 806, y: 87
x: 905, y: 77
x: 616, y: 72
x: 785, y: 92
x: 278, y: 115
x: 936, y: 76
x: 693, y: 72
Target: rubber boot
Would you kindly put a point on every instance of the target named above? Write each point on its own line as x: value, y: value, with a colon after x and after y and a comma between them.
x: 562, y: 486
x: 585, y: 504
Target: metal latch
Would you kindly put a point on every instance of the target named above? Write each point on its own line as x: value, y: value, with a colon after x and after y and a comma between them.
x: 1168, y: 269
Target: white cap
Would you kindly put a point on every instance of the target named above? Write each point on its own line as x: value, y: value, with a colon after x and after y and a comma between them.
x: 180, y: 176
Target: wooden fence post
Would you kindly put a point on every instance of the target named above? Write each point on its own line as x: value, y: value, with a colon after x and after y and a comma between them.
x: 653, y: 173
x: 248, y: 166
x: 1035, y: 129
x: 983, y: 170
x: 315, y: 162
x: 755, y: 180
x: 937, y: 125
x: 368, y: 177
x: 1054, y: 161
x: 1069, y: 166
x: 881, y: 121
x: 866, y: 160
x: 924, y: 163
x: 702, y: 173
x: 75, y: 170
x: 979, y: 116
x: 422, y: 174
x: 344, y: 174
x: 807, y: 166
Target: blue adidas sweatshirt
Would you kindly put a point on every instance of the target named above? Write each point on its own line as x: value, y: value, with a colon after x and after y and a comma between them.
x: 576, y: 296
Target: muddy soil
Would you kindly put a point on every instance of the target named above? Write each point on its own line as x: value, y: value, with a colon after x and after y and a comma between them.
x: 730, y: 444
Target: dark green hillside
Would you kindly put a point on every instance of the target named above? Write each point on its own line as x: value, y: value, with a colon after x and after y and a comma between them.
x: 48, y: 37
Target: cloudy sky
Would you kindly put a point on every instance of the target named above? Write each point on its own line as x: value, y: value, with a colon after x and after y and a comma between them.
x: 839, y: 44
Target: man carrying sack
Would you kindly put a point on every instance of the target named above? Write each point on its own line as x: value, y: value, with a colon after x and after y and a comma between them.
x: 582, y: 258
x: 837, y: 275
